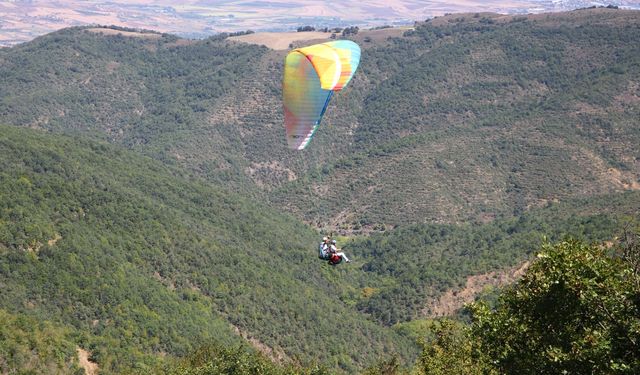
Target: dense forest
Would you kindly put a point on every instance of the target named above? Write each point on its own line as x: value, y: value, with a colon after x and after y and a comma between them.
x: 574, y: 311
x: 143, y: 262
x: 114, y: 251
x: 153, y: 220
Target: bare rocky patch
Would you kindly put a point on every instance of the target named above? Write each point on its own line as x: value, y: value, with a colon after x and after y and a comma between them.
x: 625, y: 180
x: 259, y: 171
x: 454, y: 300
x: 90, y: 368
x: 281, y: 41
x: 55, y: 239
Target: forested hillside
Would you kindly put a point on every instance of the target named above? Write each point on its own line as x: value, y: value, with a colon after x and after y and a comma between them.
x: 422, y: 261
x: 467, y: 117
x: 150, y: 93
x: 137, y: 262
x: 472, y: 117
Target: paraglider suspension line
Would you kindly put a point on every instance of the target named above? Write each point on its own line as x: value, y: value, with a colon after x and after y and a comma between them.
x: 326, y: 104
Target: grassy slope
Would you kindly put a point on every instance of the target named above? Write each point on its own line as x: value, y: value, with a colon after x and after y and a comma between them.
x: 144, y: 262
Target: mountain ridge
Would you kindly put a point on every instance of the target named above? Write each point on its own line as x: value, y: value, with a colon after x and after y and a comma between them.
x: 575, y: 122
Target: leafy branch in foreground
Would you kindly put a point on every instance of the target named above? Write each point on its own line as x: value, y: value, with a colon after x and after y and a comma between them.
x: 577, y: 310
x: 452, y: 352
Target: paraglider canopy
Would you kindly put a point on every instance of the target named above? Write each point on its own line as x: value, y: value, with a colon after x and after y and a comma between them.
x: 311, y: 75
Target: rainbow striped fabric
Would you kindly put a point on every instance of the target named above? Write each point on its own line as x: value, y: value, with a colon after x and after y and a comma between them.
x: 311, y: 75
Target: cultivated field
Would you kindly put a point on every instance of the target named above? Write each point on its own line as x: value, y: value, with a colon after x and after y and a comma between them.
x: 23, y: 21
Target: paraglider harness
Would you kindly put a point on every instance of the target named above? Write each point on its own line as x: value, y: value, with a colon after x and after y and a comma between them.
x: 329, y: 255
x: 334, y: 259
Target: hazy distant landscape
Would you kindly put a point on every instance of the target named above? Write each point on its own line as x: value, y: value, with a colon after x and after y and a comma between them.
x: 23, y: 20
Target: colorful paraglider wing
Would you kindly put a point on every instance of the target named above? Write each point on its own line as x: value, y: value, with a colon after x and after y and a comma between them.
x: 311, y: 75
x: 304, y: 100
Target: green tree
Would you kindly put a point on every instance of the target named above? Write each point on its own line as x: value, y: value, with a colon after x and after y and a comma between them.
x: 390, y: 366
x: 577, y: 310
x: 452, y: 352
x: 215, y: 359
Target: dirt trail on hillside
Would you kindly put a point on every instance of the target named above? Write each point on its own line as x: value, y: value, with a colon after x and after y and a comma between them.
x: 455, y: 299
x: 276, y: 355
x: 90, y: 368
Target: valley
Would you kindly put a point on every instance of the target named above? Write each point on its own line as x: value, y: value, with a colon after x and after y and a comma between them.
x: 153, y: 220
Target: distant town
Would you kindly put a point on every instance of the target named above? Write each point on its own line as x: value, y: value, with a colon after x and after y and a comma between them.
x: 24, y: 20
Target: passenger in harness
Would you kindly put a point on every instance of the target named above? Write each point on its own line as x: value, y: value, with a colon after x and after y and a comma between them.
x: 324, y: 249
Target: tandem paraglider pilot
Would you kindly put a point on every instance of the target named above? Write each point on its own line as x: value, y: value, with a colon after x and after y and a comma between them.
x: 329, y: 252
